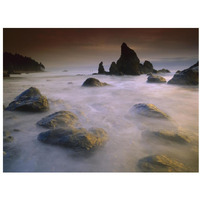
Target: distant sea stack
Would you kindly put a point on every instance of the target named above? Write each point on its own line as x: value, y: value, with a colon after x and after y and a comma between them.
x: 15, y: 63
x: 127, y: 64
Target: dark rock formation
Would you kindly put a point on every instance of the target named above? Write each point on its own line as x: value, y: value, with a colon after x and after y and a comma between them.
x: 114, y: 69
x: 166, y: 135
x: 149, y: 110
x: 93, y: 82
x: 61, y: 119
x: 156, y: 79
x: 75, y: 138
x: 163, y: 71
x: 128, y: 62
x: 29, y: 100
x: 101, y: 68
x: 160, y: 163
x: 188, y: 76
x: 147, y: 67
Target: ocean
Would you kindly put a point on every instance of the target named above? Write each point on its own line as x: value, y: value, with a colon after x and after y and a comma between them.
x: 102, y: 107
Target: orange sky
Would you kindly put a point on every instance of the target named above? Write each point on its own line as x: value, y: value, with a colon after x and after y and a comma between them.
x: 87, y: 47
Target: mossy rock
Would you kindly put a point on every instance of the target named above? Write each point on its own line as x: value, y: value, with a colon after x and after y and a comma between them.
x: 156, y: 79
x: 160, y: 163
x: 93, y: 82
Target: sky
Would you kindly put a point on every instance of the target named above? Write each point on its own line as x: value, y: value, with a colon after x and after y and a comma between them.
x: 62, y: 48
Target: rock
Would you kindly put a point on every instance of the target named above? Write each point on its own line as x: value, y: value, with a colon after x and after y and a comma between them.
x: 93, y: 82
x: 75, y: 138
x: 188, y: 76
x: 7, y: 138
x: 163, y: 71
x: 147, y: 67
x: 128, y: 62
x: 101, y: 68
x: 178, y: 71
x: 156, y: 79
x: 6, y: 74
x: 61, y: 119
x: 114, y: 69
x: 29, y: 100
x: 149, y: 110
x: 166, y: 135
x: 160, y: 163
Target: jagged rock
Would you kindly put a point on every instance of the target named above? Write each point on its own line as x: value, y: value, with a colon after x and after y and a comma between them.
x: 147, y: 67
x: 163, y: 71
x: 75, y: 138
x: 156, y: 79
x: 148, y: 110
x: 188, y: 76
x: 93, y: 82
x: 29, y: 100
x: 61, y: 119
x: 160, y: 163
x: 165, y: 135
x: 128, y: 62
x: 101, y: 68
x: 114, y: 69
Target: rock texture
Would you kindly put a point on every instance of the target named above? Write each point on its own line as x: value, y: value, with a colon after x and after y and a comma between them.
x: 93, y: 82
x: 163, y: 71
x: 61, y: 119
x: 149, y: 110
x: 188, y: 76
x: 101, y: 68
x: 160, y: 163
x: 156, y: 79
x: 29, y: 100
x: 147, y: 67
x: 75, y: 138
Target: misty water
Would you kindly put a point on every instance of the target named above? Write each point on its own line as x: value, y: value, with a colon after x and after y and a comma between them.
x: 102, y: 107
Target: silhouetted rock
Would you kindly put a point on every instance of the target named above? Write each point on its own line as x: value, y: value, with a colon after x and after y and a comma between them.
x: 148, y: 110
x: 172, y: 136
x: 128, y: 62
x: 114, y: 69
x: 61, y: 119
x: 163, y: 71
x: 188, y: 76
x: 75, y: 138
x: 93, y: 82
x: 29, y: 100
x: 156, y: 79
x: 147, y: 67
x: 160, y: 163
x: 101, y: 68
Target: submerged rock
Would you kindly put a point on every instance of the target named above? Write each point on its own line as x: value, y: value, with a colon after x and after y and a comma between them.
x: 167, y: 136
x: 163, y: 71
x: 75, y: 138
x: 149, y: 110
x: 188, y: 76
x: 93, y: 82
x: 160, y: 163
x: 156, y: 79
x: 59, y: 119
x: 29, y: 100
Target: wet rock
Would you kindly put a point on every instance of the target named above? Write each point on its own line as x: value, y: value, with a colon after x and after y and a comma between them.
x: 163, y: 71
x: 160, y: 163
x: 59, y: 119
x: 156, y: 79
x: 93, y: 82
x: 188, y: 76
x: 101, y: 69
x: 148, y: 110
x: 167, y: 135
x: 75, y: 138
x: 128, y: 62
x: 147, y: 67
x: 29, y: 100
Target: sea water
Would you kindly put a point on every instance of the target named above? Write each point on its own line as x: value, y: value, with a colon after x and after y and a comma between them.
x: 102, y: 107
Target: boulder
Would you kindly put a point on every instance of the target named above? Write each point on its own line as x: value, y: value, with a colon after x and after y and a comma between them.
x: 101, y: 68
x: 93, y: 82
x: 149, y: 110
x: 147, y: 67
x: 29, y: 100
x: 75, y: 138
x: 166, y: 135
x: 61, y: 119
x: 188, y: 76
x: 128, y: 63
x: 163, y: 71
x: 156, y: 79
x: 160, y: 163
